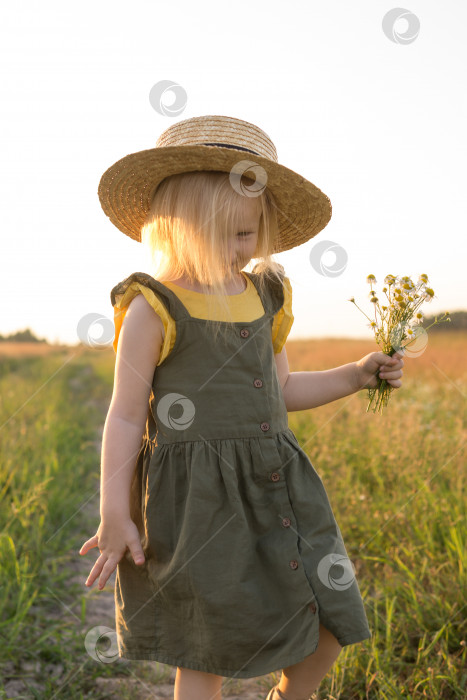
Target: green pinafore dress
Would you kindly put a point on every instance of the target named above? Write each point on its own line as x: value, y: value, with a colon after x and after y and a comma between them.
x: 244, y: 557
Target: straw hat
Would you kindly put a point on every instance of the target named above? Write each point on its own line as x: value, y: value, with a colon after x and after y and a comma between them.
x: 214, y: 142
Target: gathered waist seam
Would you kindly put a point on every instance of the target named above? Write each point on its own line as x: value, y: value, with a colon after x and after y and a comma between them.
x: 220, y: 439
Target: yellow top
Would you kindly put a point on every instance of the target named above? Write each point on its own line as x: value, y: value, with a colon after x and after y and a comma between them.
x: 245, y: 306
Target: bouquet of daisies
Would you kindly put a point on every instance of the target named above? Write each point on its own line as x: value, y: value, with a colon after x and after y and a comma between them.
x: 396, y: 322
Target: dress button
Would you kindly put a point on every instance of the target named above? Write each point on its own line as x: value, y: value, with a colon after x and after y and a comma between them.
x: 293, y: 564
x: 286, y: 522
x: 312, y: 607
x: 244, y: 332
x: 264, y: 426
x: 275, y: 476
x: 258, y: 383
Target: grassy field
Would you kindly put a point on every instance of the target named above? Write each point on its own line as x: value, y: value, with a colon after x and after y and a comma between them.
x: 396, y: 482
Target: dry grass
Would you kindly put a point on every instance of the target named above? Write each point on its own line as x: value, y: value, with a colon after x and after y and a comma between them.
x: 10, y: 349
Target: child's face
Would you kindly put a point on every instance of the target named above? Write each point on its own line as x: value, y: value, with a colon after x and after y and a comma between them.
x: 242, y: 245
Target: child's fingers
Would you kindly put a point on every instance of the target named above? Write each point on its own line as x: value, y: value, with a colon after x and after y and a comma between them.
x: 392, y: 364
x: 89, y: 544
x: 398, y: 356
x: 136, y: 551
x: 388, y: 362
x: 107, y: 570
x: 96, y: 570
x: 392, y: 377
x: 390, y: 373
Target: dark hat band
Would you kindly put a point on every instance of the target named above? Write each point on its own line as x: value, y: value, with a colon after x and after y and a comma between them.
x: 229, y: 145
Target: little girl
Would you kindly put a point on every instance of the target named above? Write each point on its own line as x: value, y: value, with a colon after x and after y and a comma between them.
x: 229, y: 560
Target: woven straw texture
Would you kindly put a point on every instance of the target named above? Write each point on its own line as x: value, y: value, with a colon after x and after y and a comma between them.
x: 127, y: 188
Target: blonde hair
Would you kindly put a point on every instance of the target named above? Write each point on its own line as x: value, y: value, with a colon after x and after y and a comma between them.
x: 186, y: 232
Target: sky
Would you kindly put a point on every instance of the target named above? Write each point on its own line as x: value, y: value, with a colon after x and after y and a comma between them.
x: 366, y: 101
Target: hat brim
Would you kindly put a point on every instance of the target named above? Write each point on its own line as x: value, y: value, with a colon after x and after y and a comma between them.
x: 127, y: 188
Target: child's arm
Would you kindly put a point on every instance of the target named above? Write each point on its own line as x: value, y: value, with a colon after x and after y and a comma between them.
x: 303, y: 390
x: 138, y: 352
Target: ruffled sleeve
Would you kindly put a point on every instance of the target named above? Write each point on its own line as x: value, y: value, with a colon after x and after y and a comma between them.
x: 121, y: 307
x: 283, y: 319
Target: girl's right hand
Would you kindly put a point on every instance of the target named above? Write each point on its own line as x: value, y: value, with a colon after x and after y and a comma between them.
x: 112, y: 538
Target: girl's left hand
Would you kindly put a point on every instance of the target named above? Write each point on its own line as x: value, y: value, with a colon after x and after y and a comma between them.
x: 378, y: 364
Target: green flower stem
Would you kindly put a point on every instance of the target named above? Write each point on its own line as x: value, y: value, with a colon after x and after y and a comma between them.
x: 382, y: 393
x: 354, y: 302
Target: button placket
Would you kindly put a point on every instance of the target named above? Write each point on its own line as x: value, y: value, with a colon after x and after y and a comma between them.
x: 258, y: 383
x: 291, y: 553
